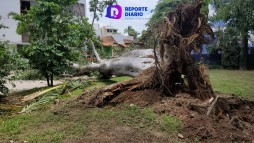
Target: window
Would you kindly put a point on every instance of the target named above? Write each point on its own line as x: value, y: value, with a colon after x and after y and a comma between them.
x: 24, y: 6
x: 109, y: 30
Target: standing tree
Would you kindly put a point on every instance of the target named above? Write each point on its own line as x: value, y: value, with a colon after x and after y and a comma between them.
x: 5, y: 66
x: 5, y: 63
x: 228, y: 43
x: 230, y: 48
x: 131, y: 32
x: 53, y: 33
x: 238, y: 14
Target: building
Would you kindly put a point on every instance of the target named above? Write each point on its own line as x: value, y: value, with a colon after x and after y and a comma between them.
x: 111, y: 40
x: 22, y: 6
x: 108, y: 31
x: 104, y: 31
x: 111, y: 37
x: 117, y: 40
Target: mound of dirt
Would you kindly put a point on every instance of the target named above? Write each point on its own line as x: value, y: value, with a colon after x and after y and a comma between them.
x: 141, y: 98
x: 231, y: 119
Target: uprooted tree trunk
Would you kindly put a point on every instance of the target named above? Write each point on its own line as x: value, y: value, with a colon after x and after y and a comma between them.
x: 129, y: 64
x: 181, y: 31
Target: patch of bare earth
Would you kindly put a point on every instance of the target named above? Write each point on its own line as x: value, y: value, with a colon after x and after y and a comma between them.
x: 120, y: 134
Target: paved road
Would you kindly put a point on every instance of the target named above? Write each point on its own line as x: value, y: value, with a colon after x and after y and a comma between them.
x: 21, y: 85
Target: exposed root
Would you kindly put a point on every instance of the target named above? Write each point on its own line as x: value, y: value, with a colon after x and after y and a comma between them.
x: 212, y: 106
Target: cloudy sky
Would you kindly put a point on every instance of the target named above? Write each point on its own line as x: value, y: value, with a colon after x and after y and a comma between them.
x: 137, y: 24
x: 121, y: 24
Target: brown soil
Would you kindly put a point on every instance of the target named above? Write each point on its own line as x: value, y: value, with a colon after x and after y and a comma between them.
x: 141, y: 98
x: 120, y: 134
x: 231, y: 119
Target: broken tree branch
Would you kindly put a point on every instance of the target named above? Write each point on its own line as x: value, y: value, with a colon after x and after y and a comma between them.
x: 212, y: 106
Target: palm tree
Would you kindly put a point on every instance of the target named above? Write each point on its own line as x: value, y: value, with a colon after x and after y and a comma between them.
x: 131, y: 32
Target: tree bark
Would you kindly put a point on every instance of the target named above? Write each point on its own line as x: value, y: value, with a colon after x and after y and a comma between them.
x: 244, y: 51
x: 95, y: 52
x: 47, y: 76
x: 52, y: 79
x: 130, y: 64
x: 94, y: 13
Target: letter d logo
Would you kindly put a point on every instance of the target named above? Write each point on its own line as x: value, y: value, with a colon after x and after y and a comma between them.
x: 114, y: 12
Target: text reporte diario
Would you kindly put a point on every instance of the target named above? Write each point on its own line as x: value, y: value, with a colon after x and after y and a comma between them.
x: 135, y: 11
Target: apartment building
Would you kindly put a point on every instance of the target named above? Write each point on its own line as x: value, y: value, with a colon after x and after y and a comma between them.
x: 22, y: 6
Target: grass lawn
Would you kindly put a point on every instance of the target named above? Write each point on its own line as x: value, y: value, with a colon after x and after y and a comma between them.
x: 72, y: 125
x: 239, y: 83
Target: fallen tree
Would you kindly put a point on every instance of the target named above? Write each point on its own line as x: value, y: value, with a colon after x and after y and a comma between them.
x: 181, y: 31
x: 178, y: 86
x: 130, y: 64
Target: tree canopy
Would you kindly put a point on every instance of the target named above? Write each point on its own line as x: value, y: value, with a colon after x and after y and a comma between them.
x: 238, y: 14
x: 162, y: 8
x: 55, y: 36
x: 131, y: 32
x: 5, y: 63
x: 97, y: 7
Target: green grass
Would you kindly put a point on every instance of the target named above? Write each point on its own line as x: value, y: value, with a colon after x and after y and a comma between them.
x: 40, y: 126
x: 78, y: 87
x: 170, y: 123
x: 111, y: 80
x: 239, y: 83
x: 136, y: 117
x: 49, y: 135
x: 45, y: 126
x: 122, y: 78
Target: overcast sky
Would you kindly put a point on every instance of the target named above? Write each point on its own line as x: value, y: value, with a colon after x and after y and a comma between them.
x: 137, y: 24
x: 121, y: 24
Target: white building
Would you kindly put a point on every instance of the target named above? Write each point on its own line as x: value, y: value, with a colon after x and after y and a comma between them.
x: 21, y: 6
x: 106, y: 31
